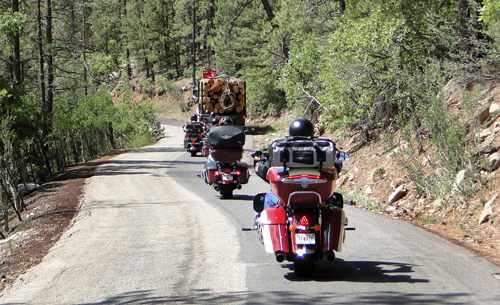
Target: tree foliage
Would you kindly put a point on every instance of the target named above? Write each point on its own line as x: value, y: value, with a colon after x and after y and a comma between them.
x: 354, y: 65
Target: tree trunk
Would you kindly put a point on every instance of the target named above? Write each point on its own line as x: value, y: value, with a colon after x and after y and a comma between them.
x: 127, y: 51
x: 268, y: 9
x: 50, y: 68
x: 17, y: 49
x: 194, y: 44
x: 177, y: 58
x: 40, y: 53
x: 84, y: 30
x: 342, y: 6
x: 146, y: 63
x: 111, y: 134
x: 463, y: 16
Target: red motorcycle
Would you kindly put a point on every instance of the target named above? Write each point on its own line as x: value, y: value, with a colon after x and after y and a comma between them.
x: 224, y: 149
x: 301, y: 219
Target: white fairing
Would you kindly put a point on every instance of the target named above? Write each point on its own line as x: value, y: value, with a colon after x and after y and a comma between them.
x: 263, y: 223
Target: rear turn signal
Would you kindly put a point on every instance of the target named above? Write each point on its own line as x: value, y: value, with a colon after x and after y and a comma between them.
x: 238, y: 173
x: 217, y: 173
x: 317, y: 228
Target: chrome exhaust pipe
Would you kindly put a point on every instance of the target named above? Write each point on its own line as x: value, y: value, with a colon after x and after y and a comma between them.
x: 329, y: 256
x: 280, y: 257
x: 216, y: 187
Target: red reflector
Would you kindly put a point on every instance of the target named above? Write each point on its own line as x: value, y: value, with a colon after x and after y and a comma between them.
x: 238, y: 173
x: 304, y: 221
x: 216, y: 173
x: 304, y: 176
x: 187, y: 134
x: 227, y: 170
x: 244, y: 117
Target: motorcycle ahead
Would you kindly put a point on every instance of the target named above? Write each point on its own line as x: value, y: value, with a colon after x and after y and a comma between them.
x: 193, y: 138
x: 305, y: 222
x: 224, y: 170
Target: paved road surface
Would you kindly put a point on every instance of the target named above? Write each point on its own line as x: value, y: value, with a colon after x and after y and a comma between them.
x: 151, y: 232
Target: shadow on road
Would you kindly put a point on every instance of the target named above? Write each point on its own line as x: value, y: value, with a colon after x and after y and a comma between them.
x: 156, y: 149
x: 358, y: 271
x: 241, y: 197
x: 286, y: 297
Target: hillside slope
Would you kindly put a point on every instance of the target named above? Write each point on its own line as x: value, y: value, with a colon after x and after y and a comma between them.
x: 375, y: 181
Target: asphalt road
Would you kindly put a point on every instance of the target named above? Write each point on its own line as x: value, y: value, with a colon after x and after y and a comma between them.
x: 151, y: 232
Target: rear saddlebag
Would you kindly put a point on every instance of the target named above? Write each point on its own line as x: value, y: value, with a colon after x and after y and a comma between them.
x: 226, y: 137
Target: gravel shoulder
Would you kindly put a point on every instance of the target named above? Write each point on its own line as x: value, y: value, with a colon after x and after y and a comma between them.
x: 50, y: 211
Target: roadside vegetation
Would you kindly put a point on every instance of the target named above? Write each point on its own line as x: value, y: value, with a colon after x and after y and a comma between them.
x: 79, y: 78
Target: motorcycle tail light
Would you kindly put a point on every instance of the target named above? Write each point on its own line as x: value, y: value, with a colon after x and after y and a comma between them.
x: 238, y: 173
x: 187, y: 134
x: 304, y: 176
x: 217, y: 173
x: 199, y: 135
x: 227, y: 170
x: 304, y: 221
x: 244, y: 117
x: 193, y: 142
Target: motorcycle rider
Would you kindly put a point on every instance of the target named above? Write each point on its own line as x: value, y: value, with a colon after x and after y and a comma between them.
x: 225, y: 121
x: 298, y: 128
x: 193, y: 119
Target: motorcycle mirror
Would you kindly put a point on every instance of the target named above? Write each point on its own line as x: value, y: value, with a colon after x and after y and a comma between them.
x: 343, y: 156
x: 258, y: 202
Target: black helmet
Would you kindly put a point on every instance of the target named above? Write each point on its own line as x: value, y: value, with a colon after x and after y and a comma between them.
x: 207, y: 112
x: 301, y: 127
x: 194, y: 118
x: 225, y: 121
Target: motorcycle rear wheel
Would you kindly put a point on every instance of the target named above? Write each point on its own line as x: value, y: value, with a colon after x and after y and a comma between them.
x: 193, y: 153
x: 303, y: 266
x: 226, y: 191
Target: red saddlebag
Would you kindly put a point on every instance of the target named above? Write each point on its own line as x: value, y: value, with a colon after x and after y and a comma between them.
x: 211, y: 169
x: 332, y: 228
x: 278, y: 229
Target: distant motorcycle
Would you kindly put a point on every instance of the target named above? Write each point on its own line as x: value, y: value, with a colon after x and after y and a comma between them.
x: 306, y: 221
x: 224, y: 169
x: 193, y: 138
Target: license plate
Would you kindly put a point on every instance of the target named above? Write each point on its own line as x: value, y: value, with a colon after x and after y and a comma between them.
x: 227, y: 177
x: 305, y: 239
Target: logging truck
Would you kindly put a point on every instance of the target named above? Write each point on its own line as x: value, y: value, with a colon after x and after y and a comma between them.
x: 222, y: 95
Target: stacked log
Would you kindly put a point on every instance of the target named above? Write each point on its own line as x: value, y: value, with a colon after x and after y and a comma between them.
x: 223, y: 96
